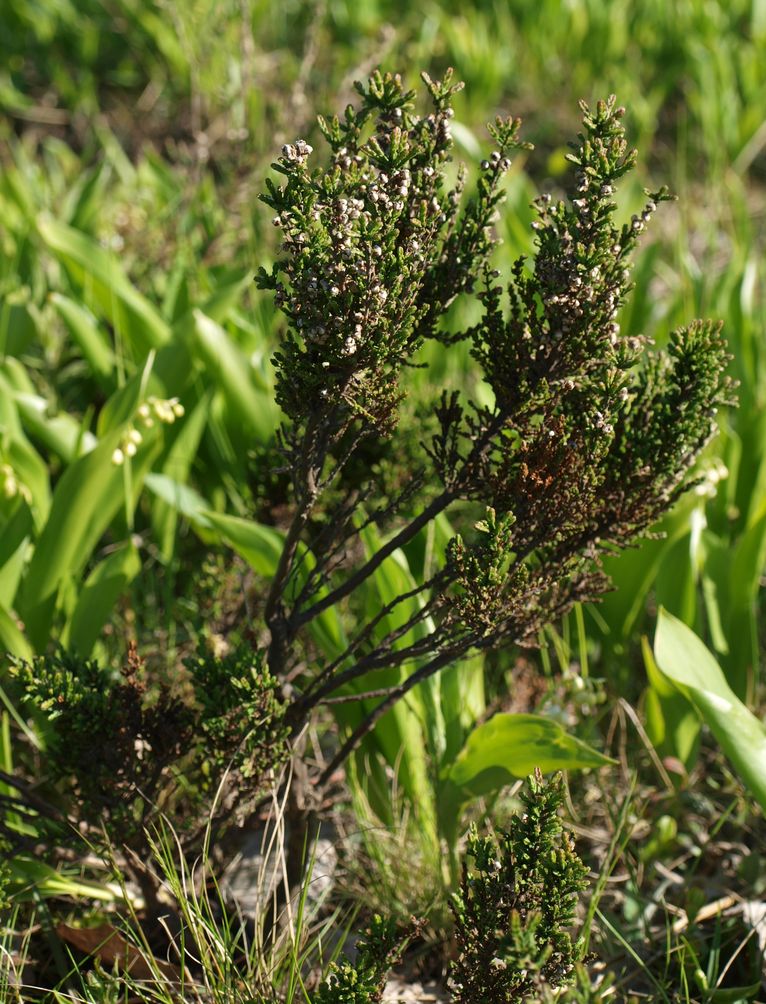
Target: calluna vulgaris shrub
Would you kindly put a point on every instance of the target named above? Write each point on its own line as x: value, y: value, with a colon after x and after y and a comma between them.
x: 513, y: 917
x: 516, y: 906
x: 588, y: 438
x: 131, y: 747
x: 364, y: 980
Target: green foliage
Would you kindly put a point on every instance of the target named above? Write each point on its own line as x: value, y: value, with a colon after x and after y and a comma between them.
x: 586, y: 440
x: 695, y: 677
x: 516, y: 905
x: 480, y: 573
x: 92, y: 366
x: 513, y: 916
x: 239, y: 715
x: 131, y: 747
x: 373, y: 252
x: 581, y: 990
x: 363, y: 981
x: 83, y: 84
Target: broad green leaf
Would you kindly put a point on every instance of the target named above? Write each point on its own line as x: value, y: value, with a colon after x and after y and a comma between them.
x: 85, y: 199
x: 750, y: 473
x: 87, y: 497
x: 511, y: 746
x: 164, y: 33
x: 671, y: 721
x: 746, y: 564
x: 733, y: 995
x: 175, y: 302
x: 31, y: 878
x: 24, y: 408
x: 173, y: 495
x: 229, y: 367
x: 634, y: 570
x: 179, y: 498
x: 460, y: 686
x: 676, y: 583
x: 60, y: 432
x: 685, y: 660
x: 225, y: 297
x: 260, y: 546
x: 462, y: 702
x: 32, y: 471
x: 19, y: 189
x: 14, y: 538
x: 713, y: 612
x: 103, y: 587
x: 15, y: 373
x: 106, y: 288
x: 413, y: 727
x: 217, y: 307
x: 91, y: 341
x: 18, y: 323
x: 10, y: 423
x: 424, y: 551
x: 466, y: 141
x: 121, y: 406
x: 12, y: 638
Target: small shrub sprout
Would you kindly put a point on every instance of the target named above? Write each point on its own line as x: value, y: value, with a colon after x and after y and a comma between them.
x: 516, y: 905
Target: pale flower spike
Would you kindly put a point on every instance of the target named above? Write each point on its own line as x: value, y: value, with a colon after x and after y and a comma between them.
x: 165, y: 410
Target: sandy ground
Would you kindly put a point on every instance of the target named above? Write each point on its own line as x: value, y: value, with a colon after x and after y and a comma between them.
x: 398, y: 992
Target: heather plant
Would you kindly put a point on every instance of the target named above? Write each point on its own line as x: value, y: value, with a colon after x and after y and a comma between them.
x: 588, y: 437
x: 363, y: 981
x: 131, y: 748
x: 582, y: 439
x: 513, y: 917
x: 516, y: 905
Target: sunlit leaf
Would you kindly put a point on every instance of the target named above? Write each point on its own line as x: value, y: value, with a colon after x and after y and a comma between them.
x: 103, y: 587
x: 105, y: 286
x: 685, y: 660
x: 508, y: 747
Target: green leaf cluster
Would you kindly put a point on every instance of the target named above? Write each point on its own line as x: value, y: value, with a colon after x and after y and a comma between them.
x: 130, y: 746
x: 363, y: 981
x: 513, y: 917
x: 373, y: 251
x: 516, y: 905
